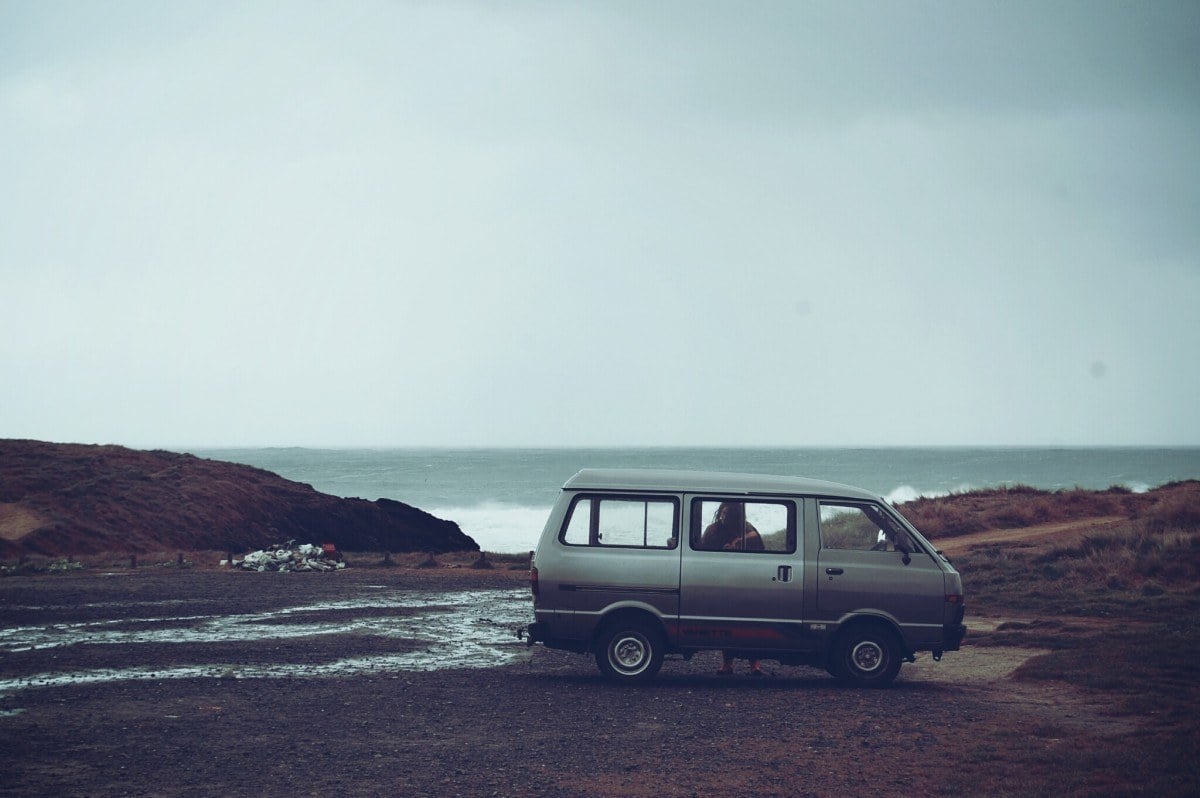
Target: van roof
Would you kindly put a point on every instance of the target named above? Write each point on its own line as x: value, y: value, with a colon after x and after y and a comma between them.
x: 639, y: 479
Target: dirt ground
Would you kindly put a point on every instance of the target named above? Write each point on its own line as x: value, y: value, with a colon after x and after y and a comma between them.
x: 533, y: 722
x: 1060, y: 533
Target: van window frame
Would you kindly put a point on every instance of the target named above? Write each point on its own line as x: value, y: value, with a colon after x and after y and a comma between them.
x: 698, y: 522
x: 888, y: 513
x: 598, y: 498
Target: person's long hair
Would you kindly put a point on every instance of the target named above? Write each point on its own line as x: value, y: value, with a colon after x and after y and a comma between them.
x: 730, y: 519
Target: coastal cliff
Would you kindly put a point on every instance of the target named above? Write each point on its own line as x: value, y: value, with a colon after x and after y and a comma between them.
x: 58, y: 499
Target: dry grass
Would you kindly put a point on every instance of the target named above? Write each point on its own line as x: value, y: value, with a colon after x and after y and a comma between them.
x: 1118, y: 610
x: 1016, y: 507
x: 1122, y: 569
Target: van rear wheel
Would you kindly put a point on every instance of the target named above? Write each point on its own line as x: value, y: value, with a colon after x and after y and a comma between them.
x: 866, y: 656
x: 629, y: 651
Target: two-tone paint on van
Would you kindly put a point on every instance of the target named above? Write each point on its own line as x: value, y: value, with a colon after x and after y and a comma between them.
x: 636, y: 564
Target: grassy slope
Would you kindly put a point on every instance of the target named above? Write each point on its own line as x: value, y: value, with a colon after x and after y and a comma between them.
x: 1117, y: 608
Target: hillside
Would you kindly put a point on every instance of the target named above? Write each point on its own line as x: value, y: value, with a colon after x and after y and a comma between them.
x: 68, y: 499
x: 1021, y: 507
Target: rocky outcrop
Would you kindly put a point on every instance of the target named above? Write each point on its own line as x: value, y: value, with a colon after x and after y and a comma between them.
x: 58, y: 499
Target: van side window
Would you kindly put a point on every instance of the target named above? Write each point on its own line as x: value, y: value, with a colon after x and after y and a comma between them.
x: 625, y: 522
x: 862, y: 527
x: 745, y: 526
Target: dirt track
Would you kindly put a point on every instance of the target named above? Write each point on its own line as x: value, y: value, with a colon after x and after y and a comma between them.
x: 542, y: 724
x: 1059, y: 533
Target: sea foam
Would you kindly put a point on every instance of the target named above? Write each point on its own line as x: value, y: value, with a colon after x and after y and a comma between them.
x: 499, y: 527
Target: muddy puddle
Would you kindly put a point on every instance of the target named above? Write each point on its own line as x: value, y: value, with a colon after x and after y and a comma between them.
x: 459, y: 629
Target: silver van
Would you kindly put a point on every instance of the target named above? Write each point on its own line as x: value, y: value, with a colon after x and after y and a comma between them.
x: 635, y: 564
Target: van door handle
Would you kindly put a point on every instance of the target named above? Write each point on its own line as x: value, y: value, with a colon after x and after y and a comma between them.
x: 833, y: 571
x: 784, y: 574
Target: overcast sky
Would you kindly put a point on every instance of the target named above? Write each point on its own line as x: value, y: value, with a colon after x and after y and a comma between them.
x: 625, y: 223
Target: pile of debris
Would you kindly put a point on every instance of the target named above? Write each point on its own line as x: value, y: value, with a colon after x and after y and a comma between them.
x: 290, y: 557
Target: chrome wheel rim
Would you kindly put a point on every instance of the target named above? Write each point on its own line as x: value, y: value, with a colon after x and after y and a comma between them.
x: 868, y: 656
x: 629, y: 653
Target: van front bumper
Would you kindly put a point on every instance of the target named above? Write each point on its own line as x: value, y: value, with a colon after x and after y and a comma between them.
x: 954, y: 630
x: 953, y: 635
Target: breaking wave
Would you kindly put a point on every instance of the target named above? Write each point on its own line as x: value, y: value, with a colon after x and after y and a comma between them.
x: 499, y: 527
x: 907, y: 493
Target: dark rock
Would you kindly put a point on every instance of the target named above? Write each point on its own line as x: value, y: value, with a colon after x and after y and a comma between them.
x: 56, y: 498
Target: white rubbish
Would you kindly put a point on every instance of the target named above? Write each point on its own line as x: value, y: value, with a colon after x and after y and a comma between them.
x: 289, y: 557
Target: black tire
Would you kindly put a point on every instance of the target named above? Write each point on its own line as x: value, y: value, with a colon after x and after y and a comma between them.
x: 867, y: 656
x: 629, y: 652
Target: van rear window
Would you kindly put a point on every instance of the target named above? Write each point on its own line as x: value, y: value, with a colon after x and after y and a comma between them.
x: 624, y: 522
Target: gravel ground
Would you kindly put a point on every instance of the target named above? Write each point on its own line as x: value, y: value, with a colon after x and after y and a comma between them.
x: 319, y: 684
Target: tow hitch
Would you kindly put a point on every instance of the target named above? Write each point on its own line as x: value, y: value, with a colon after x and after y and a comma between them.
x: 529, y: 633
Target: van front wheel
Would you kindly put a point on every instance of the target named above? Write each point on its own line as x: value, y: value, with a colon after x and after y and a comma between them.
x: 629, y: 652
x: 867, y: 656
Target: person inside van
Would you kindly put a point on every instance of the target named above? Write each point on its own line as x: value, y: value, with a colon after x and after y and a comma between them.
x: 730, y: 531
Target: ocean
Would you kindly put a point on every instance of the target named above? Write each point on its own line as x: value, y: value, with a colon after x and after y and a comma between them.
x: 501, y: 497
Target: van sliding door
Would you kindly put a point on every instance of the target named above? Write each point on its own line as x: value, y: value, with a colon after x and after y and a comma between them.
x: 741, y: 584
x: 618, y: 549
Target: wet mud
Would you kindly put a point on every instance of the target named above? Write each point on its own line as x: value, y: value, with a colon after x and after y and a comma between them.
x: 400, y: 682
x: 370, y: 626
